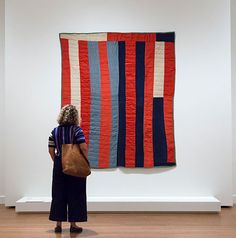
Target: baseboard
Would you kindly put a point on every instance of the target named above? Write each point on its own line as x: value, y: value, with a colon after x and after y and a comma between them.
x: 129, y: 204
x: 2, y: 199
x: 234, y: 199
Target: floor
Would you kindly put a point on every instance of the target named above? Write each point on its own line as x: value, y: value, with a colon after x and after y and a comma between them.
x: 136, y: 225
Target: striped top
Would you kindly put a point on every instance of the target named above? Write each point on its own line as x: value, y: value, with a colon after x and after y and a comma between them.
x: 63, y: 135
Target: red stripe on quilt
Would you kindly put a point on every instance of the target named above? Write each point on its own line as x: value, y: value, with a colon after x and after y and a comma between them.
x: 66, y: 86
x: 148, y: 104
x: 105, y: 126
x: 169, y: 128
x: 169, y: 80
x: 131, y: 37
x: 130, y: 89
x: 85, y: 88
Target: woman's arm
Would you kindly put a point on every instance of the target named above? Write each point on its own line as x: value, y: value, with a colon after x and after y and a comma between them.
x: 51, y: 151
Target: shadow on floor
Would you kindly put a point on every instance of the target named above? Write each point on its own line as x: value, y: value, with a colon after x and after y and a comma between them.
x: 66, y: 233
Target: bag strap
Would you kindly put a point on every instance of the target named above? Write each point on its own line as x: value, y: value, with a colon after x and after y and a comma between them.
x: 72, y: 141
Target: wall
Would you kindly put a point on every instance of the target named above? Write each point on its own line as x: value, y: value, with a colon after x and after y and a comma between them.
x: 233, y: 67
x: 202, y: 107
x: 2, y: 36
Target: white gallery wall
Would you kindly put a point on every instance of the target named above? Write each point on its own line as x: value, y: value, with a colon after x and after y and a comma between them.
x: 202, y: 102
x: 2, y: 36
x: 233, y: 79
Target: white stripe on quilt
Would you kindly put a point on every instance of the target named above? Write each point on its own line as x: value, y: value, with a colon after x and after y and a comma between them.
x: 86, y: 37
x: 159, y: 64
x: 75, y: 74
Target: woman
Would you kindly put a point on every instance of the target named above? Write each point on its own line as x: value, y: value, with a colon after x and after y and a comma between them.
x: 69, y: 201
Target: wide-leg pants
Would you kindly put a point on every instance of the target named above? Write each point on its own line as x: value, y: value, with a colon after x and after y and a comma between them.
x: 69, y: 200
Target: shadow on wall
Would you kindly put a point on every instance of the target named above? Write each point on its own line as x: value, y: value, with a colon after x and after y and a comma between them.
x: 155, y: 170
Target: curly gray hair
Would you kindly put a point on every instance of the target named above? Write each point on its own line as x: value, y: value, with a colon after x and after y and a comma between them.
x: 68, y: 115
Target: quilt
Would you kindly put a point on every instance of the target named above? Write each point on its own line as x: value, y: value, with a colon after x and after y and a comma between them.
x: 123, y: 87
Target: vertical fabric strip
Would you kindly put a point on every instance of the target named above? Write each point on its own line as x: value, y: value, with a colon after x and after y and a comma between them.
x: 130, y: 104
x: 158, y: 90
x: 66, y: 90
x: 159, y: 136
x: 112, y: 51
x: 169, y: 69
x: 168, y: 99
x: 105, y: 127
x: 148, y: 103
x: 85, y: 88
x: 169, y: 128
x: 75, y: 74
x: 122, y: 107
x: 95, y: 114
x: 140, y: 75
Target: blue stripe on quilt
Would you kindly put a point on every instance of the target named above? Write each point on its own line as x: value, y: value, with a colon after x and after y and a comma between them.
x: 112, y: 50
x: 122, y: 111
x: 159, y: 136
x: 95, y: 80
x: 140, y: 77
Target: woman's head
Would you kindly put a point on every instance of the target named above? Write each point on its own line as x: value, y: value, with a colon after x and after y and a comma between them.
x: 68, y: 116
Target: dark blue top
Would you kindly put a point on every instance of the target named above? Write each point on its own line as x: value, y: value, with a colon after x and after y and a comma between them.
x: 65, y: 134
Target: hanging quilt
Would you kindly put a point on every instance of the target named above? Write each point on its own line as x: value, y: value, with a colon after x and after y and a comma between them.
x: 123, y: 87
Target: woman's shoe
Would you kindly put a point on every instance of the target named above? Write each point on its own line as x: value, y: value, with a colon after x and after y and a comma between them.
x: 57, y: 229
x: 74, y: 229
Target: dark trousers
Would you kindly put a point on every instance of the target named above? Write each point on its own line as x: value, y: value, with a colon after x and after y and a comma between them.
x: 69, y: 200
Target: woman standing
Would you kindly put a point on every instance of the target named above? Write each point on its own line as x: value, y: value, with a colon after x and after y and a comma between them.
x: 69, y: 200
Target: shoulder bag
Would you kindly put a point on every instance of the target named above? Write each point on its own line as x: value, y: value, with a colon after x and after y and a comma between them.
x: 74, y: 163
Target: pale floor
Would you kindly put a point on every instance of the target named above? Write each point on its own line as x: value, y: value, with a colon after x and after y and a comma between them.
x: 158, y: 225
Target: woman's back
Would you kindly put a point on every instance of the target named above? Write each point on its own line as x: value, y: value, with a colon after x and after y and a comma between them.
x: 66, y: 134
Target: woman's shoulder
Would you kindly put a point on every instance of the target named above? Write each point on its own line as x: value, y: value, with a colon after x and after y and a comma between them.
x: 77, y: 127
x: 71, y: 126
x: 78, y: 130
x: 54, y: 129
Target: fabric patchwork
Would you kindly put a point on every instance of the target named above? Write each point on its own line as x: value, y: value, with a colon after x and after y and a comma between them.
x: 123, y: 87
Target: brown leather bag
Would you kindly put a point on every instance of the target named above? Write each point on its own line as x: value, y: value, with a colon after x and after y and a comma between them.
x: 73, y: 161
